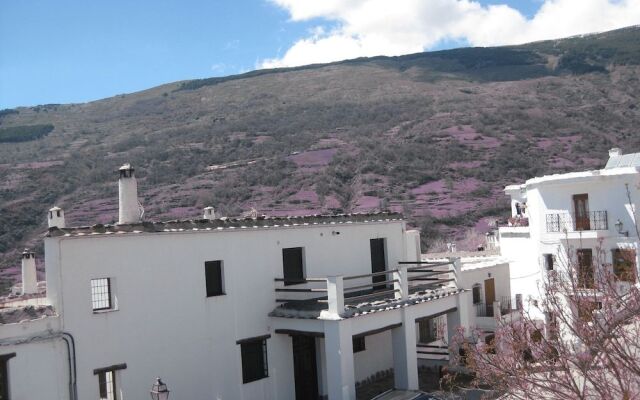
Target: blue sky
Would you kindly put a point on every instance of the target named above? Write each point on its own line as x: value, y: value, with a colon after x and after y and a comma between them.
x: 74, y: 51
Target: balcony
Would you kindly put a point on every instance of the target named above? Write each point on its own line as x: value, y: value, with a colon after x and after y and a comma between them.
x: 350, y: 296
x: 570, y: 222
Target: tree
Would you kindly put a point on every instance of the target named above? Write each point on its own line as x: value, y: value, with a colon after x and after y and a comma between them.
x: 587, y: 346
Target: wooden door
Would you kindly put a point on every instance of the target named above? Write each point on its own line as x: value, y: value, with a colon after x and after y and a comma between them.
x: 304, y: 367
x: 581, y: 212
x: 378, y: 262
x: 585, y: 269
x: 489, y: 295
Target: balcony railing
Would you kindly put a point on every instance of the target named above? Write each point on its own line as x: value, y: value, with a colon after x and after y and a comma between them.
x: 570, y: 222
x: 334, y: 295
x: 484, y: 310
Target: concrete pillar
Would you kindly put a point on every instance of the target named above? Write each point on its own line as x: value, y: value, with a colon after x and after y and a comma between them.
x: 412, y: 243
x: 129, y: 208
x: 463, y: 317
x: 403, y: 282
x: 29, y: 277
x: 457, y: 270
x: 496, y: 310
x: 405, y: 356
x: 335, y: 297
x: 56, y: 218
x: 338, y: 350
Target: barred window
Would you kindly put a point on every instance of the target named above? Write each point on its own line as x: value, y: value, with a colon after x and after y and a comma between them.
x: 359, y: 344
x: 107, y: 389
x: 101, y: 294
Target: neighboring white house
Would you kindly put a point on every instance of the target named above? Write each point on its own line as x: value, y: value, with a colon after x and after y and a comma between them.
x: 222, y: 308
x: 580, y: 218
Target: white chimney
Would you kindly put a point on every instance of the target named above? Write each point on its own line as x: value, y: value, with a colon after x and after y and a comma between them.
x: 128, y: 196
x: 29, y: 278
x: 615, y: 152
x: 209, y: 213
x: 56, y: 218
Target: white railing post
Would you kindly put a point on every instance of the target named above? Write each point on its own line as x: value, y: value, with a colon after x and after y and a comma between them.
x: 402, y: 286
x: 496, y: 310
x: 457, y: 270
x: 335, y: 295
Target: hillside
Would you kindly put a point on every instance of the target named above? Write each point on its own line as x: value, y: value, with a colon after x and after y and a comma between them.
x: 434, y: 135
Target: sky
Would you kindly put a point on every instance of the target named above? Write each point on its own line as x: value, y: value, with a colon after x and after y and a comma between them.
x: 67, y: 51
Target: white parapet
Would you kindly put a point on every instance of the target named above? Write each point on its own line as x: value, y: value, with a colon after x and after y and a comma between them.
x: 29, y: 277
x: 129, y: 208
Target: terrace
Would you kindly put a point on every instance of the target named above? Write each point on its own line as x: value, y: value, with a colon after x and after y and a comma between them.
x: 572, y: 222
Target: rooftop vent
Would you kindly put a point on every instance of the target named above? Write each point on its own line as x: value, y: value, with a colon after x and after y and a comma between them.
x: 130, y: 210
x: 55, y: 218
x: 29, y: 278
x: 209, y: 213
x: 615, y: 152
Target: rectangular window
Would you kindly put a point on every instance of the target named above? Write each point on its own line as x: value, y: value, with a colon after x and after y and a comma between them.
x: 359, y: 344
x: 107, y: 381
x: 477, y: 299
x: 254, y: 359
x: 293, y: 265
x: 4, y: 375
x: 214, y: 278
x: 624, y: 264
x: 548, y: 262
x: 586, y: 277
x: 101, y: 294
x: 378, y: 262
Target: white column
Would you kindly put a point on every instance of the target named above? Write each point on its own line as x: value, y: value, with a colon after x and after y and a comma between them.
x: 457, y: 270
x: 338, y: 350
x: 496, y: 310
x: 403, y: 283
x: 335, y: 298
x: 29, y: 277
x: 405, y: 357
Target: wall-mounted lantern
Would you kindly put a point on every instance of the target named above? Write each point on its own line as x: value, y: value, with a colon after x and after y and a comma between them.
x: 620, y: 227
x: 159, y: 390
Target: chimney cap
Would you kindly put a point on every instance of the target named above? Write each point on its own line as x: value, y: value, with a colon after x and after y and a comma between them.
x: 27, y: 253
x: 55, y: 208
x: 126, y: 167
x: 615, y: 152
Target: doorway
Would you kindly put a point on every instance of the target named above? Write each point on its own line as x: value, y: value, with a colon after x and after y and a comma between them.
x: 489, y: 295
x: 581, y: 209
x: 305, y: 370
x: 378, y: 262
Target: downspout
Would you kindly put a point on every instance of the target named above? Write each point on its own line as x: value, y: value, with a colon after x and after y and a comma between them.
x: 71, y: 353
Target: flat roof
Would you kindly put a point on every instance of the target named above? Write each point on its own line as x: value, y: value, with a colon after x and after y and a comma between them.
x: 225, y: 224
x: 572, y: 177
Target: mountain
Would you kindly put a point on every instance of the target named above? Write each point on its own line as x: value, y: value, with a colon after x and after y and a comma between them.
x: 435, y: 135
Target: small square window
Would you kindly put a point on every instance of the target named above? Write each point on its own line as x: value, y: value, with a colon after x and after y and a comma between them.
x: 101, y: 294
x: 254, y: 359
x: 359, y: 344
x: 214, y: 278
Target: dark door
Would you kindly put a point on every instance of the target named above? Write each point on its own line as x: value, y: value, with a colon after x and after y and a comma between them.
x: 489, y: 295
x: 4, y: 380
x: 292, y: 265
x: 378, y: 261
x: 585, y: 269
x: 304, y: 367
x: 581, y: 209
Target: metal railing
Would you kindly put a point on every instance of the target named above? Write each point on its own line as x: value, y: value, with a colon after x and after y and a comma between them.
x: 396, y: 284
x: 570, y: 222
x: 484, y: 310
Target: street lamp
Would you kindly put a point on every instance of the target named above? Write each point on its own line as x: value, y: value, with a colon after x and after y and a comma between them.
x: 620, y: 227
x: 159, y: 390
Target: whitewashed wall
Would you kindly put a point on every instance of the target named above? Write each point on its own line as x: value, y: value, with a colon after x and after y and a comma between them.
x: 165, y: 326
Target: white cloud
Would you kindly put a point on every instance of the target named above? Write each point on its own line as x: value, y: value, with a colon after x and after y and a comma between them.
x: 395, y: 27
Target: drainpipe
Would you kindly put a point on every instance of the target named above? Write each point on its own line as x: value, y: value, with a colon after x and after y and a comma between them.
x: 71, y: 353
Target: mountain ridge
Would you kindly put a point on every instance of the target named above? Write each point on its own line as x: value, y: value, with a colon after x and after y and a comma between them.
x: 434, y: 135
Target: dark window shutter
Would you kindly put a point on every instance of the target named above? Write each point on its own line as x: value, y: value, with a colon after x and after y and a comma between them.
x: 292, y: 265
x: 213, y: 277
x: 254, y: 360
x: 102, y: 384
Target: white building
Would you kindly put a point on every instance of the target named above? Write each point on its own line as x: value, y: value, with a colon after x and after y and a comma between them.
x: 579, y: 218
x: 222, y: 308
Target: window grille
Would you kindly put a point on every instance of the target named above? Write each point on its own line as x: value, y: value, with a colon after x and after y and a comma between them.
x: 101, y: 294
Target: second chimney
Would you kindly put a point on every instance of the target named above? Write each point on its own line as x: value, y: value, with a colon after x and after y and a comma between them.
x: 615, y: 152
x: 129, y: 208
x: 209, y: 213
x: 29, y: 277
x: 56, y: 217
